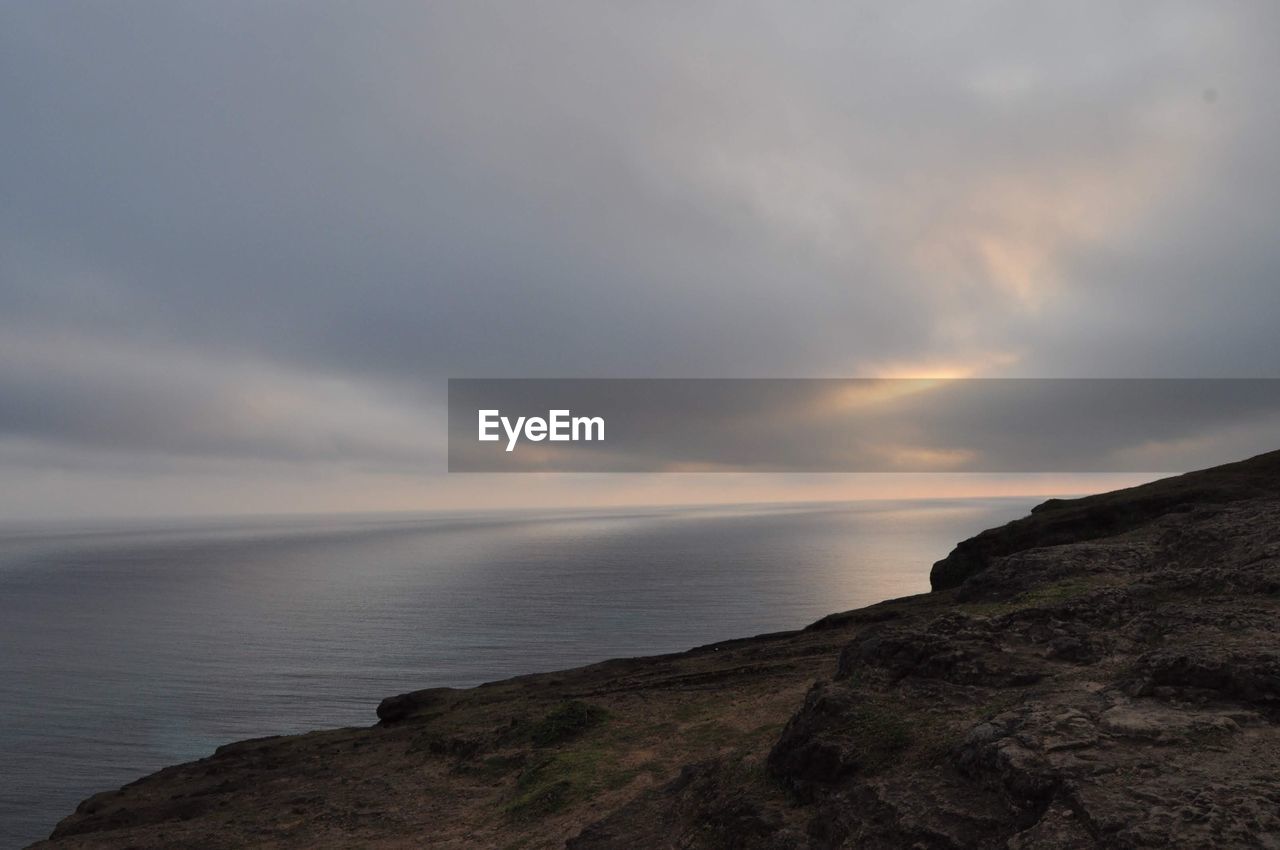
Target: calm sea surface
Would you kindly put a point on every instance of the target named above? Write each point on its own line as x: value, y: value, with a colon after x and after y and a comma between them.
x: 127, y: 648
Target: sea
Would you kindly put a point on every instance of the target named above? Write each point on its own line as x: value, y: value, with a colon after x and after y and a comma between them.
x: 129, y: 646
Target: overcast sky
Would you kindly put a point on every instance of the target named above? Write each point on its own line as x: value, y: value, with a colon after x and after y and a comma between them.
x: 243, y: 244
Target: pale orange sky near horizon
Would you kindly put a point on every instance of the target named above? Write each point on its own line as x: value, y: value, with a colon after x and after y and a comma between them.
x: 480, y: 491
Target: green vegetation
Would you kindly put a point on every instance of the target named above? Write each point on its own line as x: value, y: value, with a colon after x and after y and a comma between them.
x: 491, y: 768
x: 1050, y: 594
x: 540, y: 791
x: 557, y: 779
x: 880, y: 734
x: 580, y: 751
x: 566, y: 722
x: 583, y: 766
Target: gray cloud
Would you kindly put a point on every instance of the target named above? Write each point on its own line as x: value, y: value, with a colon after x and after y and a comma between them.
x: 337, y: 206
x: 140, y: 400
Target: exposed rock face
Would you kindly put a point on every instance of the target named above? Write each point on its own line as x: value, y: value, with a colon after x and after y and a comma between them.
x: 1103, y: 673
x: 1107, y: 514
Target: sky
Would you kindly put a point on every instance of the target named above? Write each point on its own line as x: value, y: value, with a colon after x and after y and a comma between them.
x: 243, y: 245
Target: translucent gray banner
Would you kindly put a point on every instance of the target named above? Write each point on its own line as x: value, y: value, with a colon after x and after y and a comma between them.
x: 858, y: 425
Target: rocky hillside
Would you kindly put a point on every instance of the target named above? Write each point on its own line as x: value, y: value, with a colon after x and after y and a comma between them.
x: 1102, y: 673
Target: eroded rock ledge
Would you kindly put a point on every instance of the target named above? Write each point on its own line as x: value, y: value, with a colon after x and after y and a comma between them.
x: 1102, y: 673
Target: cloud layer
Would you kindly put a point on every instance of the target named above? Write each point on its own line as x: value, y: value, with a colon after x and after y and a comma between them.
x: 245, y: 233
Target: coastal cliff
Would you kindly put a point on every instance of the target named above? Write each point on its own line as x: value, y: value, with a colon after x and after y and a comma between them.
x: 1102, y: 673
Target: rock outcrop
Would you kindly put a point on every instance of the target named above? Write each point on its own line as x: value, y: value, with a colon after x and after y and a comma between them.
x: 1107, y: 514
x: 1103, y: 673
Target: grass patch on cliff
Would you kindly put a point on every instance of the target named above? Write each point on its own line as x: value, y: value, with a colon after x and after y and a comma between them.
x: 556, y: 780
x: 880, y: 734
x: 566, y: 722
x: 544, y: 788
x: 1038, y: 597
x: 491, y: 768
x: 562, y: 768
